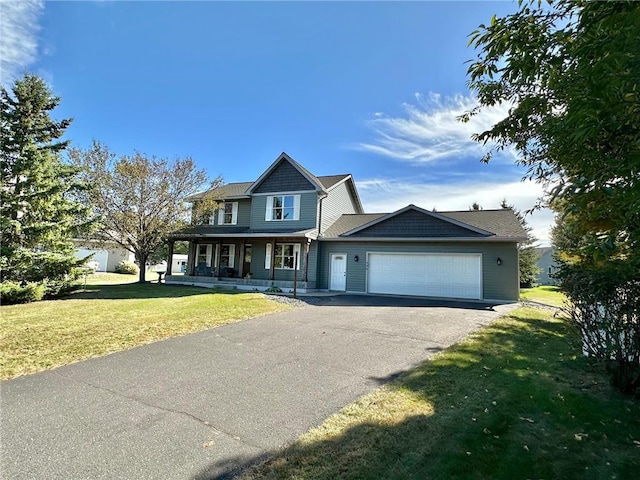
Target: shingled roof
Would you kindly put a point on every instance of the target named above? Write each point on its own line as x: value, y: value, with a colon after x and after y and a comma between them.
x: 501, y: 223
x: 196, y: 231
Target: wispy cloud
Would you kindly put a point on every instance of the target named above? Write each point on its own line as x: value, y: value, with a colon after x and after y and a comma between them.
x: 386, y: 195
x: 19, y: 26
x: 428, y: 130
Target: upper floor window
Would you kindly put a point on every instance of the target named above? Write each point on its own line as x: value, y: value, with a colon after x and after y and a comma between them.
x: 283, y: 207
x: 228, y: 214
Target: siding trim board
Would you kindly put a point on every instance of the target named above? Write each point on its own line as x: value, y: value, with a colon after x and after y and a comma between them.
x: 270, y: 194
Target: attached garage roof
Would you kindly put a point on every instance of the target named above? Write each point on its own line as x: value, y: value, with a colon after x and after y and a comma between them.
x: 414, y: 222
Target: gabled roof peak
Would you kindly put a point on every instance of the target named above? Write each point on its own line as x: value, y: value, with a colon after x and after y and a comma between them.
x: 415, y: 208
x: 282, y: 158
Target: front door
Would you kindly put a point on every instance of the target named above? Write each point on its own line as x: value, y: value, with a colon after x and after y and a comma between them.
x: 338, y: 272
x: 246, y: 262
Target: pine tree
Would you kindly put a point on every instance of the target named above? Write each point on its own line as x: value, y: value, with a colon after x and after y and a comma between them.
x: 528, y: 257
x: 39, y: 215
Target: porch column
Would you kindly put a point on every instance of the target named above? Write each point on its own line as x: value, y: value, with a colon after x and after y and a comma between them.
x: 170, y: 259
x: 306, y: 260
x: 272, y: 271
x: 191, y: 259
x: 240, y: 267
x: 218, y: 254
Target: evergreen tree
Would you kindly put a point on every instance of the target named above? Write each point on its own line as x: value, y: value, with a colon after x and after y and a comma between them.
x: 39, y: 215
x: 527, y: 255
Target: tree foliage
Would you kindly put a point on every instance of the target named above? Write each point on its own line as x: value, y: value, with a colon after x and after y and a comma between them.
x: 39, y: 215
x: 527, y: 254
x: 570, y: 73
x: 139, y: 199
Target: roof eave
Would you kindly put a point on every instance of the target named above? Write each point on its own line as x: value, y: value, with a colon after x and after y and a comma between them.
x: 190, y: 236
x: 425, y: 239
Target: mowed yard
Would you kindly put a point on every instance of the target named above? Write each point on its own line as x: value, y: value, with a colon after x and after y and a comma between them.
x: 516, y: 400
x: 112, y: 314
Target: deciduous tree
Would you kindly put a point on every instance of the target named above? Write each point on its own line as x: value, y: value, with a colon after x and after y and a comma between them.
x: 139, y: 199
x: 570, y: 72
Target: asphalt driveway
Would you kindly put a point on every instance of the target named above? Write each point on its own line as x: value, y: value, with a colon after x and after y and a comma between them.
x: 200, y: 405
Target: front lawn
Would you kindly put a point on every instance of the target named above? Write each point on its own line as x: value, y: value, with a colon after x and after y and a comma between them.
x: 547, y: 294
x: 516, y: 400
x: 108, y: 317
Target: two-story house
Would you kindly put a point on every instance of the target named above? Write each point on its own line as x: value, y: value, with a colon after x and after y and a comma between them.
x: 290, y: 225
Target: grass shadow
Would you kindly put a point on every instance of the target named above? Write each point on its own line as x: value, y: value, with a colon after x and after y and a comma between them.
x: 141, y: 291
x: 517, y: 400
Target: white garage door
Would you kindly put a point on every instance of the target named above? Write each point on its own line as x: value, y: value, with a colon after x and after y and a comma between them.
x: 430, y: 275
x: 101, y: 256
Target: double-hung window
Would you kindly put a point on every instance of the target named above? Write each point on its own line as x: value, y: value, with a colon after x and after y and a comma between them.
x: 284, y: 257
x: 204, y: 255
x: 228, y: 214
x: 227, y: 255
x: 282, y: 208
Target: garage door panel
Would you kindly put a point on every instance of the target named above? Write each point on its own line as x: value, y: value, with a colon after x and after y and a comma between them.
x: 433, y: 275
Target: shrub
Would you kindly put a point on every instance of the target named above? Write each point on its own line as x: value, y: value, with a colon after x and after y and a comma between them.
x: 605, y: 306
x: 127, y: 267
x: 14, y: 292
x: 274, y: 289
x: 53, y: 273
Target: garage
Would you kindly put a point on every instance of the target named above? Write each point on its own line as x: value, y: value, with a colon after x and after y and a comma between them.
x: 425, y: 274
x: 100, y: 256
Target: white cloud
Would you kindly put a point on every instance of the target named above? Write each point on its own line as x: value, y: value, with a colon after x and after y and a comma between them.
x: 390, y: 195
x: 19, y: 26
x: 429, y: 130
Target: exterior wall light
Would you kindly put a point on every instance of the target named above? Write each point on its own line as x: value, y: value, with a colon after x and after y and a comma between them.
x: 499, y: 261
x: 356, y: 258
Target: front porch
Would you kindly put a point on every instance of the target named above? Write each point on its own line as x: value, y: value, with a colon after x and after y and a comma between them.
x: 247, y: 261
x: 249, y: 284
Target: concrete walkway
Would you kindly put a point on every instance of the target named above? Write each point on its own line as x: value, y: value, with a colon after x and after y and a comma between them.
x: 200, y: 405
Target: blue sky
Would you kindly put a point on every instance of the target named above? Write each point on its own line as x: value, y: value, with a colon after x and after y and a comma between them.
x: 367, y: 88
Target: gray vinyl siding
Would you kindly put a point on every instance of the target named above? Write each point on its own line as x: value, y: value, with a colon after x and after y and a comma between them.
x: 308, y: 215
x: 337, y: 202
x: 498, y: 282
x: 284, y: 178
x: 415, y: 224
x: 244, y: 214
x: 259, y: 252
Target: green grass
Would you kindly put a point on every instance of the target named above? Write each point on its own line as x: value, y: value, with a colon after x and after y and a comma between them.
x: 111, y: 316
x: 514, y: 401
x: 548, y: 295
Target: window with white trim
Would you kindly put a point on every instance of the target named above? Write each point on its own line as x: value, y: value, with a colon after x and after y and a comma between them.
x: 204, y: 255
x: 227, y: 255
x: 282, y: 208
x: 228, y: 214
x: 284, y: 256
